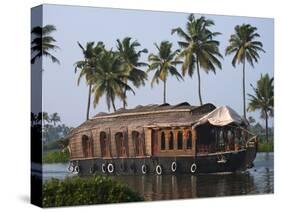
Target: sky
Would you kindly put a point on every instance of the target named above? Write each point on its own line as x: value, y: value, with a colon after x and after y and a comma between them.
x: 61, y: 93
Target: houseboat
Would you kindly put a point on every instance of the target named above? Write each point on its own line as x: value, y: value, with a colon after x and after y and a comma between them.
x: 163, y: 139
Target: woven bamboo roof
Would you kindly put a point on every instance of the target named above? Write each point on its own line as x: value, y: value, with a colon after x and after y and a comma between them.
x: 153, y: 115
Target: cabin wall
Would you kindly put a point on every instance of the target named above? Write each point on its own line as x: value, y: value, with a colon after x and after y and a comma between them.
x: 110, y: 139
x: 111, y: 135
x: 96, y: 142
x: 194, y: 138
x: 76, y: 150
x: 77, y: 147
x: 148, y: 141
x: 175, y: 151
x: 131, y: 145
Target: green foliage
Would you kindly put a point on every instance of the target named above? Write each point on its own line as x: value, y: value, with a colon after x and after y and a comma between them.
x: 164, y: 64
x: 265, y: 147
x: 51, y: 131
x: 53, y: 145
x: 107, y: 72
x: 54, y: 133
x: 243, y: 45
x: 128, y: 52
x: 63, y: 143
x: 56, y: 157
x: 130, y: 56
x: 87, y: 66
x: 198, y: 47
x: 110, y: 79
x: 86, y: 191
x: 54, y: 118
x: 263, y: 98
x: 60, y: 144
x: 43, y: 42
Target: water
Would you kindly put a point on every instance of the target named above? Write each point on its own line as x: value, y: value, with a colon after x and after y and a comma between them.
x: 257, y: 180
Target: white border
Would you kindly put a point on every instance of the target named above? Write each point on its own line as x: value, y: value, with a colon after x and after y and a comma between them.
x: 15, y: 87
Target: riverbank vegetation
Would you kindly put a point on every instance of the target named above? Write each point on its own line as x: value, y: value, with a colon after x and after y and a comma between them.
x: 56, y: 156
x: 265, y: 146
x: 54, y: 139
x: 263, y: 100
x: 85, y: 191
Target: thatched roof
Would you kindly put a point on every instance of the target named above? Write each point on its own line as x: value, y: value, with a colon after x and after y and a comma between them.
x: 153, y: 115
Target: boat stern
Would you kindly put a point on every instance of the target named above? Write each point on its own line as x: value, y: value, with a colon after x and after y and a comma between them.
x: 251, y: 151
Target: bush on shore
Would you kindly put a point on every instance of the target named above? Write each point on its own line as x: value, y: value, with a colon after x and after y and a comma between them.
x: 86, y: 191
x: 265, y: 147
x: 56, y: 157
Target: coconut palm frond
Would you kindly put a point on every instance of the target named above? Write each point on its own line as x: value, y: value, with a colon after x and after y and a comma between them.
x: 43, y: 43
x: 164, y: 63
x: 198, y: 47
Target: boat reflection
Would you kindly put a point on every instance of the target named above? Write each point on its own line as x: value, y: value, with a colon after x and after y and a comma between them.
x: 185, y: 186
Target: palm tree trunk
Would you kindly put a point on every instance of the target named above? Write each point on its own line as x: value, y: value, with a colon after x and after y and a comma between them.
x: 89, y: 102
x: 124, y: 100
x: 244, y: 95
x: 266, y: 127
x: 199, y: 82
x: 112, y: 102
x: 164, y: 94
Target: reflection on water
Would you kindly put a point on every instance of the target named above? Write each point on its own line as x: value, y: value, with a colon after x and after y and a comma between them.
x: 257, y: 180
x: 57, y: 170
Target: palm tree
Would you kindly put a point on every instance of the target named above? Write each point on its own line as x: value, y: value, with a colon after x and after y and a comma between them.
x: 39, y: 118
x: 109, y: 79
x: 63, y: 142
x: 43, y: 42
x: 44, y: 117
x: 251, y: 120
x: 55, y: 118
x: 131, y: 56
x: 164, y: 63
x: 263, y: 99
x: 245, y: 47
x: 33, y: 119
x: 87, y: 66
x: 199, y: 49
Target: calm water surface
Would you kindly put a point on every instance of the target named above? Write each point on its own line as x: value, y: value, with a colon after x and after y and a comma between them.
x: 257, y: 180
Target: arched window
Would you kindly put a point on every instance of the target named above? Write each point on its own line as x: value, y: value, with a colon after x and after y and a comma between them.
x: 85, y: 145
x: 237, y: 136
x: 171, y: 140
x: 135, y: 140
x: 104, y: 144
x: 188, y: 140
x: 163, y: 144
x: 221, y: 141
x: 120, y: 141
x: 138, y: 143
x: 230, y: 136
x: 180, y: 146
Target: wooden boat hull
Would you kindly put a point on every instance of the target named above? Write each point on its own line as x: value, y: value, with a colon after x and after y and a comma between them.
x: 205, y: 163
